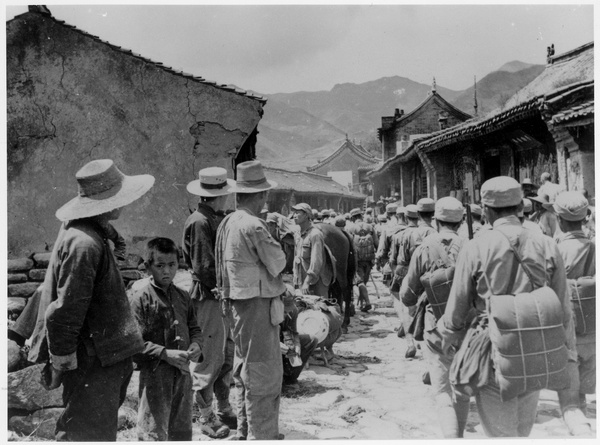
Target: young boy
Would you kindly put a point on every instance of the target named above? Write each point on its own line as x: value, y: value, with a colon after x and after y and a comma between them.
x: 172, y: 339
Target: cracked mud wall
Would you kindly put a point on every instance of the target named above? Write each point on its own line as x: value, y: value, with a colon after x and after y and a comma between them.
x: 72, y: 99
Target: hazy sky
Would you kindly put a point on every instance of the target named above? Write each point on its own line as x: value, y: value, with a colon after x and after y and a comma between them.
x: 285, y: 48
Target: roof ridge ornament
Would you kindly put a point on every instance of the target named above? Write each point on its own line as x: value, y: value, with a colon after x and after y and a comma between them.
x: 433, y: 86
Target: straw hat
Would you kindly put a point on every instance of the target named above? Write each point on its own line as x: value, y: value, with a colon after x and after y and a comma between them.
x: 544, y: 199
x: 251, y: 178
x: 313, y: 323
x: 213, y: 182
x: 103, y: 188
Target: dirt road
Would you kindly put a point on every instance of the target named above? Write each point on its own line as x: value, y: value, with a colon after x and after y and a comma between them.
x: 372, y: 392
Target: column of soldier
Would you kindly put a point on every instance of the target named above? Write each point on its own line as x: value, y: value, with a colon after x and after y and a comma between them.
x: 502, y: 315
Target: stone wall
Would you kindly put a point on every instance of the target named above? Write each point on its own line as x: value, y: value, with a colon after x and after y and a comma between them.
x: 27, y: 273
x: 72, y: 98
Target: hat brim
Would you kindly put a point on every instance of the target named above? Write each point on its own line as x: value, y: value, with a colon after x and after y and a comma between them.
x: 548, y: 206
x: 267, y: 185
x: 195, y: 188
x: 132, y: 188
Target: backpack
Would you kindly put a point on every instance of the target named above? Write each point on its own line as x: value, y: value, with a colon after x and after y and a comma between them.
x: 364, y: 245
x: 582, y: 293
x: 528, y: 338
x: 438, y: 281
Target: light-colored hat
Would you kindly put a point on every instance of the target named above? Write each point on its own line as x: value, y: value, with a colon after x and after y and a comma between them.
x: 325, y: 212
x: 476, y: 209
x: 527, y: 181
x: 332, y: 214
x: 571, y: 206
x: 382, y: 218
x: 426, y: 205
x: 544, y: 199
x: 411, y: 211
x: 527, y: 205
x: 347, y: 215
x: 213, y: 182
x: 251, y: 178
x: 369, y: 210
x: 356, y: 211
x: 314, y: 213
x: 501, y: 191
x: 271, y: 217
x: 304, y: 207
x: 449, y: 209
x: 313, y: 323
x: 103, y: 188
x: 401, y: 210
x: 340, y: 221
x: 391, y: 208
x: 545, y: 176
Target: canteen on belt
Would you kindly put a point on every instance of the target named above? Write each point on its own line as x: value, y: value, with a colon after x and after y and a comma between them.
x: 314, y: 323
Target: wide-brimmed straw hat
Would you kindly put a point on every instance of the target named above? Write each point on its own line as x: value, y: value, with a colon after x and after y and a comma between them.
x: 251, y: 178
x: 544, y: 199
x: 103, y: 188
x: 212, y: 182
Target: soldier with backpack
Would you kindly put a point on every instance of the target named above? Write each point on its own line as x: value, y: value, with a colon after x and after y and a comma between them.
x: 406, y: 245
x: 579, y: 255
x: 427, y: 283
x: 504, y: 270
x: 365, y: 240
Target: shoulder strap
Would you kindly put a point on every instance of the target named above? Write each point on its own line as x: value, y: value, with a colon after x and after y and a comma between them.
x: 442, y: 254
x: 520, y: 259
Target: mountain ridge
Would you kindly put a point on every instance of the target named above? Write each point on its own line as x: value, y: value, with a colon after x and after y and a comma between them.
x: 300, y: 127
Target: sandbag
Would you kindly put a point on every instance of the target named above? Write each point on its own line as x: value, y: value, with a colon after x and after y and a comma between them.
x: 528, y: 342
x: 582, y: 292
x: 437, y: 286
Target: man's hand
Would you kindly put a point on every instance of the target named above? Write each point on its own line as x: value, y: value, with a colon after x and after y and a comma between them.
x: 177, y: 358
x: 305, y: 288
x: 51, y: 377
x: 194, y: 352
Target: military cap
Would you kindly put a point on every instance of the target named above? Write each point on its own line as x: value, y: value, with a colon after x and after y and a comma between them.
x: 325, y: 212
x: 401, y: 210
x: 425, y: 205
x: 449, y: 209
x: 369, y: 210
x: 501, y: 191
x: 356, y: 211
x: 527, y: 205
x: 382, y: 218
x: 411, y: 211
x: 391, y: 208
x: 571, y: 206
x: 476, y: 209
x: 303, y: 207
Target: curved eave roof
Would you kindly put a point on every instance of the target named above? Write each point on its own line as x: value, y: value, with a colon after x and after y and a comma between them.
x: 308, y: 183
x: 565, y: 74
x: 361, y: 153
x: 225, y: 87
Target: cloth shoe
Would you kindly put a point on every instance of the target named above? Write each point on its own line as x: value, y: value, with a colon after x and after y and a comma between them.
x: 227, y: 417
x: 401, y: 332
x: 577, y: 423
x: 213, y: 427
x: 411, y: 351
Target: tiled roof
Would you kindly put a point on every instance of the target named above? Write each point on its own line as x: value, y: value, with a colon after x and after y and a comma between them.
x: 357, y: 149
x: 308, y: 183
x: 225, y: 87
x: 584, y: 110
x: 390, y: 121
x: 565, y: 72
